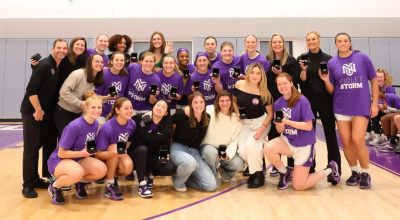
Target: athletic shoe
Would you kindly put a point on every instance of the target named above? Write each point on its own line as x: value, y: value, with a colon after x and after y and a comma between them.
x: 101, y: 181
x: 354, y: 179
x: 57, y: 195
x: 116, y: 181
x: 274, y: 172
x: 150, y: 183
x: 113, y: 193
x: 385, y: 142
x: 40, y: 184
x: 29, y: 192
x: 222, y: 177
x: 397, y: 149
x: 258, y: 181
x: 365, y: 181
x: 246, y: 172
x: 66, y: 188
x: 387, y: 148
x: 376, y: 141
x: 80, y: 190
x: 291, y: 173
x: 284, y: 180
x: 143, y: 190
x: 368, y: 138
x: 264, y: 169
x: 51, y: 180
x: 130, y: 176
x: 334, y: 176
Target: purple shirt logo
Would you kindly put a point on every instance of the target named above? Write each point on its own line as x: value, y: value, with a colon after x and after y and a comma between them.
x: 123, y: 137
x: 165, y: 88
x: 118, y: 86
x: 140, y: 85
x: 90, y: 136
x: 231, y: 72
x: 349, y: 69
x: 207, y: 85
x: 287, y: 112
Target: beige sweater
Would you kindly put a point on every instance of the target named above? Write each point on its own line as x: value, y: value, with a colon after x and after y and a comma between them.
x: 72, y: 92
x: 224, y: 131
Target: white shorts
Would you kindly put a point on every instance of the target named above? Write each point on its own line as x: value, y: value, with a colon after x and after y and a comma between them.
x: 180, y: 106
x: 303, y: 156
x: 101, y: 120
x: 135, y: 112
x: 340, y: 117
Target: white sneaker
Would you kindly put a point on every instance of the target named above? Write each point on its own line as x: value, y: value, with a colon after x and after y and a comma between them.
x: 222, y: 177
x: 368, y: 138
x: 181, y: 188
x: 376, y: 141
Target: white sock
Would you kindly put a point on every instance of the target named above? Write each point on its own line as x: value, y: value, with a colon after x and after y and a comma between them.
x: 368, y: 134
x: 109, y: 182
x: 364, y: 170
x: 354, y: 168
x: 151, y: 177
x: 328, y: 171
x: 55, y: 184
x: 377, y: 136
x: 282, y: 169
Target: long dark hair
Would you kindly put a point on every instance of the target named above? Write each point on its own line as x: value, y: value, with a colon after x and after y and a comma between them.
x: 163, y: 45
x: 217, y: 109
x: 123, y: 71
x: 192, y: 118
x: 71, y: 55
x: 343, y: 33
x: 96, y: 80
x: 165, y: 125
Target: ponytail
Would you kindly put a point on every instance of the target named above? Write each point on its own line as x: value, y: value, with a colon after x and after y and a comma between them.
x: 295, y: 97
x: 117, y: 104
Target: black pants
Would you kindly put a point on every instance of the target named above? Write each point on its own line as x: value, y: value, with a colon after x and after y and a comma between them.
x: 145, y: 164
x: 374, y: 123
x: 63, y: 117
x: 37, y: 134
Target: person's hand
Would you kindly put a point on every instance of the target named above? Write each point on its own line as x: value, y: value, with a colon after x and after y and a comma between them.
x: 34, y: 62
x: 157, y: 92
x: 241, y: 76
x: 168, y: 47
x: 302, y: 65
x: 259, y: 131
x: 216, y: 80
x: 373, y: 111
x: 277, y: 71
x: 82, y: 106
x: 187, y: 110
x: 38, y: 115
x: 167, y: 158
x: 238, y: 117
x: 85, y: 153
x: 221, y: 158
x: 324, y: 77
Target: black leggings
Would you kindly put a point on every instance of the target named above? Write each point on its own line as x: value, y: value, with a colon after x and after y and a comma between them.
x: 62, y: 118
x: 374, y: 125
x: 145, y: 164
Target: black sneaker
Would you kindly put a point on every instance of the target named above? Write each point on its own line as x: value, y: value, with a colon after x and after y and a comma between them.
x: 80, y: 190
x: 40, y: 184
x: 29, y: 192
x: 259, y: 180
x: 354, y: 179
x: 365, y: 182
x: 284, y: 179
x: 115, y: 181
x: 57, y: 195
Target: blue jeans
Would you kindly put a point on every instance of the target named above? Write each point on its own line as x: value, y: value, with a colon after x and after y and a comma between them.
x: 191, y: 170
x: 229, y: 167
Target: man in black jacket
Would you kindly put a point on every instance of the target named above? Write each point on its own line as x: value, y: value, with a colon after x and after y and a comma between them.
x: 37, y: 118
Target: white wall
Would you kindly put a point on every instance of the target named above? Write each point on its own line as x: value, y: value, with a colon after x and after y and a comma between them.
x: 196, y: 8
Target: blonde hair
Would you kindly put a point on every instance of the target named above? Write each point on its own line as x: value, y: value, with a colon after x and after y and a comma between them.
x: 251, y: 35
x: 149, y: 54
x: 227, y: 43
x: 91, y: 96
x: 262, y: 85
x: 316, y: 34
x: 386, y: 76
x: 176, y: 68
x: 97, y: 38
x: 285, y: 54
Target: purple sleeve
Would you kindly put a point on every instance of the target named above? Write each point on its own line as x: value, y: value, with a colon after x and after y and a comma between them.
x: 390, y: 89
x: 159, y: 86
x: 70, y: 133
x: 189, y: 84
x: 330, y: 69
x: 180, y: 86
x: 265, y: 64
x: 369, y: 66
x: 130, y: 139
x: 305, y: 110
x: 103, y: 138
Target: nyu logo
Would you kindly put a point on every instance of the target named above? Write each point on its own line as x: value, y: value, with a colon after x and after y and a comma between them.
x: 207, y: 85
x: 123, y: 137
x: 90, y: 136
x: 287, y: 112
x: 118, y: 86
x: 231, y: 71
x: 140, y: 85
x: 165, y: 88
x: 349, y: 69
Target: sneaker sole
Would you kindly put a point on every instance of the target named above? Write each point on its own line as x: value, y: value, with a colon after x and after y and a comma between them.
x: 113, y: 198
x: 352, y: 184
x: 282, y: 188
x: 145, y: 196
x: 365, y: 187
x: 65, y: 189
x: 150, y: 187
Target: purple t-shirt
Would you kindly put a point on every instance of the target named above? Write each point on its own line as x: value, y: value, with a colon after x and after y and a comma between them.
x: 120, y: 83
x: 207, y: 86
x: 216, y: 59
x: 91, y: 51
x: 138, y: 91
x: 111, y: 132
x: 226, y: 71
x: 246, y: 62
x: 167, y: 83
x: 301, y: 112
x: 392, y: 100
x: 350, y: 78
x: 389, y: 89
x: 73, y: 138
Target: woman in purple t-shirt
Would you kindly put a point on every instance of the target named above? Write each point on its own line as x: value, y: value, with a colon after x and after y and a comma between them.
x: 183, y: 63
x: 298, y: 139
x: 210, y: 44
x: 347, y: 79
x: 70, y: 163
x: 385, y: 83
x: 115, y: 76
x: 100, y: 45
